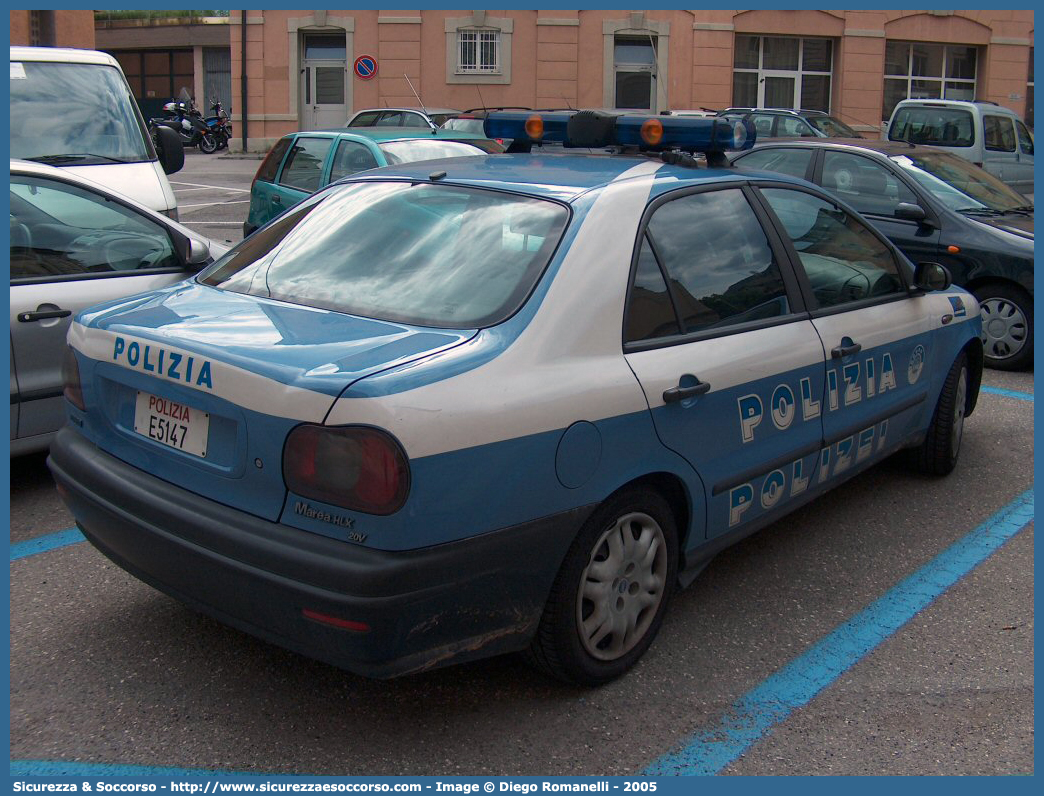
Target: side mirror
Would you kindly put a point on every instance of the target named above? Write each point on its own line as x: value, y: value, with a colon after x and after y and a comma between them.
x: 199, y: 253
x: 932, y: 276
x: 169, y: 148
x: 910, y: 212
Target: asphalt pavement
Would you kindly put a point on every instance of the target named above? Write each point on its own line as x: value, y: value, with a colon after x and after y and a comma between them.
x: 106, y: 670
x: 213, y: 193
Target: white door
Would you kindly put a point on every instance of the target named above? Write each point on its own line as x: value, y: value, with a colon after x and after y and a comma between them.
x: 323, y: 77
x: 634, y: 79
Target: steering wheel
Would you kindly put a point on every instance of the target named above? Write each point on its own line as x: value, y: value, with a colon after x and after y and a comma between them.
x: 128, y: 252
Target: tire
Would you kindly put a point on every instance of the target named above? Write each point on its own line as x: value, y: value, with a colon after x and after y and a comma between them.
x: 1007, y: 326
x: 208, y: 144
x: 937, y: 455
x: 621, y: 567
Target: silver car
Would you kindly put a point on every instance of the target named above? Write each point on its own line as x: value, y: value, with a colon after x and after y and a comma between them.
x: 75, y: 243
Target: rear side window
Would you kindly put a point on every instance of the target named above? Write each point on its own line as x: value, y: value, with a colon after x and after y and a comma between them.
x: 719, y: 265
x: 790, y: 160
x: 304, y: 164
x: 270, y: 165
x: 998, y: 133
x: 365, y: 119
x: 939, y: 126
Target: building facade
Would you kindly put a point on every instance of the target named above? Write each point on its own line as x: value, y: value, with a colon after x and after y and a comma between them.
x: 300, y: 65
x: 53, y: 29
x: 162, y: 55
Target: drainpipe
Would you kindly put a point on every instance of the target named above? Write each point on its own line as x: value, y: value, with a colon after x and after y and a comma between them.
x: 243, y: 74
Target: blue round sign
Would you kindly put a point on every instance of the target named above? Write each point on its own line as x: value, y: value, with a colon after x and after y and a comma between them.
x: 365, y: 67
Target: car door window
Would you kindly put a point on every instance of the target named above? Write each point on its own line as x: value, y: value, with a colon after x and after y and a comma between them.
x: 793, y: 127
x: 866, y: 185
x: 788, y: 160
x: 414, y: 120
x: 63, y: 230
x: 650, y: 312
x: 351, y: 156
x: 998, y: 133
x: 1025, y: 138
x: 763, y: 124
x: 304, y: 165
x: 718, y: 262
x: 390, y: 119
x: 843, y: 260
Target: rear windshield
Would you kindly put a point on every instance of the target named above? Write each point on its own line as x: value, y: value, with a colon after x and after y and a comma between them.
x: 75, y: 114
x: 423, y: 254
x: 938, y: 126
x: 465, y: 125
x: 413, y: 149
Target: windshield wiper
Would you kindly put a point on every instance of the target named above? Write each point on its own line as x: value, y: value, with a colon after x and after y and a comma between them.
x: 57, y: 159
x: 1021, y: 209
x: 981, y: 211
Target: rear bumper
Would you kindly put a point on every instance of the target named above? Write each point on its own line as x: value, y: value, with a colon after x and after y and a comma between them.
x: 464, y: 600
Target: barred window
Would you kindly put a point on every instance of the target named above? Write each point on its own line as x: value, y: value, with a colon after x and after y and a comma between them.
x: 478, y: 51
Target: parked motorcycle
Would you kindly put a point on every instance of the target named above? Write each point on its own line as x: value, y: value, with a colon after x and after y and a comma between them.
x: 183, y: 118
x: 219, y: 124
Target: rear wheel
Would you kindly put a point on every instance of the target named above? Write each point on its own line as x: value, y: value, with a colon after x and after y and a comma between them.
x: 938, y: 453
x: 208, y: 144
x: 609, y: 597
x: 1007, y: 326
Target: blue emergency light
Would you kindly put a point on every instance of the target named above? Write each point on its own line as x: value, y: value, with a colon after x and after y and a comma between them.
x: 648, y: 133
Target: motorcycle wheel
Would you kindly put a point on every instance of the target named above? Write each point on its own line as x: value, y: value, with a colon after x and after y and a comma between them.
x: 208, y: 144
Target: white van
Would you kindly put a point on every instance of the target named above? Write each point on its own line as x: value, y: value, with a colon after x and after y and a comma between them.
x: 987, y: 134
x: 74, y: 109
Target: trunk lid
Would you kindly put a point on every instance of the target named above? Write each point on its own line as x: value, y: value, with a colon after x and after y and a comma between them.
x: 247, y: 369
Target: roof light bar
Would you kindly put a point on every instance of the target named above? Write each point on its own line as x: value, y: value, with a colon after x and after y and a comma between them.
x: 648, y: 133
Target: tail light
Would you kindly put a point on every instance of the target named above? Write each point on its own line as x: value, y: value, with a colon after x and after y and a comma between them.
x: 71, y: 379
x: 355, y: 467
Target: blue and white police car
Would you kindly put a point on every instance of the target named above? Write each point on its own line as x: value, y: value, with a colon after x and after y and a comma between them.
x: 448, y: 410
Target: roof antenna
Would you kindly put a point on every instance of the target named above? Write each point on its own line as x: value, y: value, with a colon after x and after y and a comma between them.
x: 482, y: 102
x: 419, y: 100
x: 568, y: 103
x: 655, y: 71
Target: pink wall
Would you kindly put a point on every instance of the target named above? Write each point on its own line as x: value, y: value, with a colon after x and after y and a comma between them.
x: 555, y: 63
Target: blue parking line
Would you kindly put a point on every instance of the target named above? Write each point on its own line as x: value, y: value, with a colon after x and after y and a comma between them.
x: 59, y: 768
x: 754, y: 715
x: 41, y: 544
x: 1022, y: 396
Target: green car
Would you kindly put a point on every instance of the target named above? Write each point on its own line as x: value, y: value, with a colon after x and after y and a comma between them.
x: 302, y: 163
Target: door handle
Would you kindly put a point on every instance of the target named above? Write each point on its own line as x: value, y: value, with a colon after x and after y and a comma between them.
x: 42, y: 315
x: 680, y: 393
x: 845, y: 349
x: 276, y: 200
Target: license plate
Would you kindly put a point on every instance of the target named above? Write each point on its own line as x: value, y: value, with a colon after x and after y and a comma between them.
x: 175, y: 425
